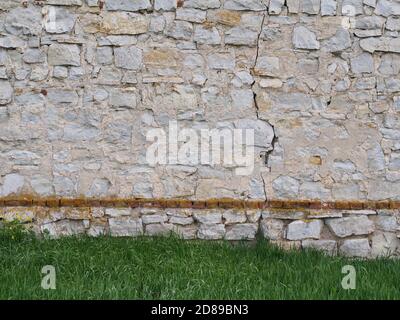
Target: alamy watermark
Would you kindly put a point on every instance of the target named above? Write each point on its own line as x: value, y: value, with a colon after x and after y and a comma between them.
x: 186, y: 146
x: 49, y: 278
x: 349, y: 280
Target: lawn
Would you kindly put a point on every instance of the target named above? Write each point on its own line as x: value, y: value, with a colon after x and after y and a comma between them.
x: 170, y: 268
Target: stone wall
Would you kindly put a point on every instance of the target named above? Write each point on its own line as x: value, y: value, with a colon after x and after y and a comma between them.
x: 83, y: 81
x: 353, y: 233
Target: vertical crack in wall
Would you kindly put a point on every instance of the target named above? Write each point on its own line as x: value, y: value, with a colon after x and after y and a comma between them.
x: 267, y: 154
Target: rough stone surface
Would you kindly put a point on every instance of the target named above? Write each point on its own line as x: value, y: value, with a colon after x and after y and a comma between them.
x: 12, y: 184
x: 244, y: 231
x: 359, y: 248
x: 317, y: 81
x: 304, y: 39
x: 125, y: 227
x: 6, y: 92
x: 385, y: 244
x: 64, y: 55
x: 299, y: 230
x: 211, y: 231
x: 63, y: 228
x: 272, y: 229
x: 327, y: 246
x: 349, y: 226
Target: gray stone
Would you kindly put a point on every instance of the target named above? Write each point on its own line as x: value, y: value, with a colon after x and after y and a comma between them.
x: 130, y: 58
x: 272, y: 229
x: 12, y: 184
x: 211, y: 231
x: 34, y: 56
x: 64, y: 186
x: 142, y: 189
x: 263, y: 131
x: 311, y: 6
x: 376, y: 158
x: 154, y: 218
x: 314, y: 190
x: 26, y: 21
x: 387, y: 8
x: 120, y: 98
x: 60, y: 72
x: 328, y: 7
x: 96, y: 230
x: 221, y: 61
x: 42, y: 186
x: 118, y: 212
x: 299, y: 230
x: 370, y: 23
x: 158, y: 229
x: 60, y: 96
x: 394, y: 163
x: 204, y: 35
x: 166, y: 5
x: 180, y: 30
x: 125, y: 227
x: 118, y: 40
x: 64, y: 55
x: 211, y: 217
x: 349, y: 226
x: 364, y: 63
x: 393, y: 24
x: 242, y: 231
x: 11, y: 42
x: 371, y: 3
x: 268, y: 66
x: 109, y: 76
x: 305, y: 39
x: 308, y: 66
x: 396, y: 103
x: 339, y: 42
x: 275, y: 6
x: 104, y: 55
x: 59, y: 20
x: 286, y: 187
x: 327, y: 246
x: 392, y: 85
x: 128, y: 5
x: 253, y: 215
x: 248, y: 5
x: 63, y: 228
x: 358, y: 248
x: 92, y: 3
x: 384, y: 44
x: 293, y: 6
x: 99, y: 187
x: 157, y: 24
x: 241, y: 37
x: 65, y: 2
x: 6, y: 92
x: 257, y: 189
x: 232, y: 217
x: 379, y: 189
x: 385, y: 245
x: 191, y: 15
x: 386, y: 223
x: 352, y: 7
x: 390, y: 64
x: 76, y: 132
x: 188, y: 232
x: 202, y: 4
x: 179, y: 219
x: 346, y: 191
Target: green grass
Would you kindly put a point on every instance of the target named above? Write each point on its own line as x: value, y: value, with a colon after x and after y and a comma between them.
x: 169, y: 268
